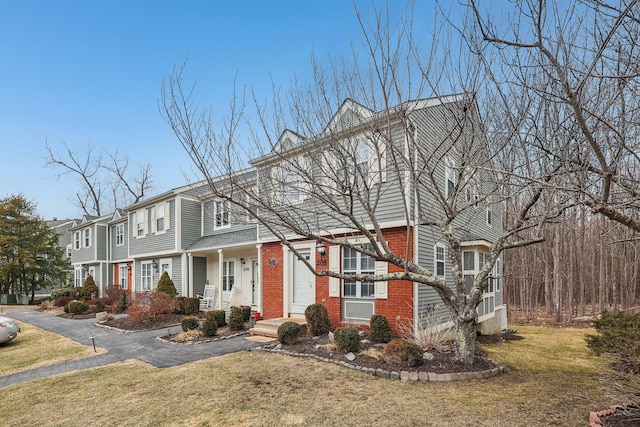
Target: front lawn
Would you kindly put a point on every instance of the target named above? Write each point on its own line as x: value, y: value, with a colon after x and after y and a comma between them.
x: 34, y: 348
x: 550, y: 380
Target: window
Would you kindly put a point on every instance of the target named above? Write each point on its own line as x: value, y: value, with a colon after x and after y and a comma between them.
x: 295, y: 174
x: 146, y: 276
x: 76, y: 238
x: 140, y: 223
x: 440, y: 253
x: 354, y: 262
x: 77, y: 277
x: 68, y: 251
x: 471, y: 269
x: 497, y: 272
x: 119, y: 234
x: 124, y: 276
x: 160, y: 217
x: 489, y: 216
x: 228, y: 275
x: 222, y: 213
x: 87, y: 237
x: 450, y: 176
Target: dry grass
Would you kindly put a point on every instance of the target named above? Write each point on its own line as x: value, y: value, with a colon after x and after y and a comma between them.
x: 35, y: 347
x: 550, y: 380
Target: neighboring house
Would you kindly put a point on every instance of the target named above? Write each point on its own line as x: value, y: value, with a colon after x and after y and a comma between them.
x: 121, y: 264
x: 90, y: 251
x: 62, y: 227
x: 200, y: 239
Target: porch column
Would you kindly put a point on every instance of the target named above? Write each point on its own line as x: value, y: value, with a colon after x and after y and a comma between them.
x: 187, y: 288
x: 220, y: 261
x: 259, y: 284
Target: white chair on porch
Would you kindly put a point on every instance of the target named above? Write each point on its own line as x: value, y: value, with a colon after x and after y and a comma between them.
x: 226, y: 302
x: 207, y: 299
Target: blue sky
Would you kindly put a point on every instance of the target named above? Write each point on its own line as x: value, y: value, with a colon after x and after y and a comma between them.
x: 91, y: 71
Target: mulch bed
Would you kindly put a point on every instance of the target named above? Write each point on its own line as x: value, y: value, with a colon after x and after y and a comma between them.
x: 144, y: 324
x: 443, y: 361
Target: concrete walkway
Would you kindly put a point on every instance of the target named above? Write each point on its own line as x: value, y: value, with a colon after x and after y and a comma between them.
x: 119, y: 345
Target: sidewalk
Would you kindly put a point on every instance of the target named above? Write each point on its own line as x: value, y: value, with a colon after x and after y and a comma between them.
x: 119, y: 345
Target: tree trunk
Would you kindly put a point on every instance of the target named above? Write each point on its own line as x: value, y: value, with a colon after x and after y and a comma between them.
x: 465, y: 339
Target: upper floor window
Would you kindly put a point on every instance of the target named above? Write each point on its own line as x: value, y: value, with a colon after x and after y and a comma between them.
x: 140, y: 223
x: 87, y: 237
x: 450, y: 176
x: 160, y: 217
x: 68, y: 251
x: 76, y: 238
x: 489, y: 216
x: 119, y: 234
x: 221, y: 213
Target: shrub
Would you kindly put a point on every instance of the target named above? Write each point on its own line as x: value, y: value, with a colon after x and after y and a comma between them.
x: 45, y: 305
x: 209, y: 327
x: 347, y: 339
x: 89, y: 288
x: 317, y: 318
x: 114, y: 292
x: 380, y: 329
x: 236, y: 319
x: 246, y: 312
x: 619, y: 337
x: 62, y: 301
x: 288, y: 332
x: 165, y: 284
x: 402, y: 352
x: 76, y: 307
x: 189, y: 323
x: 219, y: 316
x: 99, y: 304
x: 190, y: 305
x: 123, y: 303
x: 62, y: 292
x: 162, y: 304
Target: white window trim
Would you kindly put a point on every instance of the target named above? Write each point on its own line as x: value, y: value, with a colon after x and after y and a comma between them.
x: 143, y: 286
x: 381, y: 288
x: 226, y: 262
x: 77, y: 239
x: 125, y: 268
x: 358, y: 270
x: 119, y: 234
x: 225, y: 211
x: 137, y: 231
x: 443, y: 261
x: 86, y: 237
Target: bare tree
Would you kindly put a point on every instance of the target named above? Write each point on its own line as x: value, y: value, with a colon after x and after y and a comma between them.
x: 390, y: 147
x: 105, y: 179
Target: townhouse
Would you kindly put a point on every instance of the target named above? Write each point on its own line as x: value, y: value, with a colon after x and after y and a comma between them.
x: 201, y: 238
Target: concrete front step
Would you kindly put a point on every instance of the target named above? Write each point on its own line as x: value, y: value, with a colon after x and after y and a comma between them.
x: 269, y: 327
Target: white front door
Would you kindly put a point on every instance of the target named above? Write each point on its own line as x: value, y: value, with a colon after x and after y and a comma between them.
x: 301, y: 292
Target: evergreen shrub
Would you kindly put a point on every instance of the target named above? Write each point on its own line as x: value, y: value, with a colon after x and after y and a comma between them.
x: 347, y: 339
x: 190, y: 323
x: 618, y: 337
x: 219, y: 316
x: 402, y: 352
x: 288, y: 332
x: 165, y: 284
x: 236, y: 319
x: 380, y: 329
x: 317, y: 318
x: 209, y: 327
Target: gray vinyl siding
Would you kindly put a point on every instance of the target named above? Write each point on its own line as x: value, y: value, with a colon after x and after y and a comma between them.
x: 176, y: 273
x: 390, y: 206
x: 86, y: 254
x: 101, y: 241
x: 152, y: 242
x: 432, y: 128
x: 199, y: 274
x: 119, y: 252
x: 191, y: 231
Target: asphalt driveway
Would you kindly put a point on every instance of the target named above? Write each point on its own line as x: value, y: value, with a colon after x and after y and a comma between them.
x: 120, y: 346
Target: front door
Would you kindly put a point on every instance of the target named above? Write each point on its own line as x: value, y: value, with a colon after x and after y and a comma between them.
x: 301, y: 285
x: 255, y: 280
